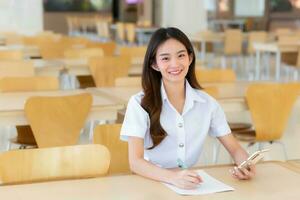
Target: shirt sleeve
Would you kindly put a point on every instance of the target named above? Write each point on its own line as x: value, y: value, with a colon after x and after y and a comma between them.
x: 136, y: 120
x: 218, y: 125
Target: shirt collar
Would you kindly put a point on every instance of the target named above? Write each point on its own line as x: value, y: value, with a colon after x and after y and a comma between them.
x: 191, y: 93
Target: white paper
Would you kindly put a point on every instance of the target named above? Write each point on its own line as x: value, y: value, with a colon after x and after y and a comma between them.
x: 209, y: 185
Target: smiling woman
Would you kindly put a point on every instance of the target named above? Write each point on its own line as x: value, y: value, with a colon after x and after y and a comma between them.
x: 166, y: 124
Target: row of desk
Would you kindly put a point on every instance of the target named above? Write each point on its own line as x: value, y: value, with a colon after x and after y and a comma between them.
x: 260, y: 48
x: 108, y: 100
x: 273, y: 180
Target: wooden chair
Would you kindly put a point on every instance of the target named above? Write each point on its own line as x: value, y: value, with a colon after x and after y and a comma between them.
x: 232, y: 45
x: 105, y: 70
x: 256, y: 36
x: 108, y: 48
x: 109, y: 136
x: 11, y: 55
x: 85, y: 81
x: 130, y: 32
x: 120, y: 32
x: 20, y: 68
x: 23, y: 84
x: 215, y: 75
x: 83, y: 53
x: 139, y: 51
x: 127, y: 81
x: 57, y: 121
x: 56, y: 163
x: 270, y: 106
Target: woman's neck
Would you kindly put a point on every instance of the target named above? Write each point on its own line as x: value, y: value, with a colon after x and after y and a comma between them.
x: 176, y: 94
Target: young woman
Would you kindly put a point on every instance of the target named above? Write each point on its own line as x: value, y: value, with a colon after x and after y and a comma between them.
x: 166, y: 124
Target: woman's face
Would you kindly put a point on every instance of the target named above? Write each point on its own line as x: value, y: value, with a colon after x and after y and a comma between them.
x: 172, y: 60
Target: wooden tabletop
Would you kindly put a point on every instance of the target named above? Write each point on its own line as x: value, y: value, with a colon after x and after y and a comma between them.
x: 12, y: 106
x: 273, y: 181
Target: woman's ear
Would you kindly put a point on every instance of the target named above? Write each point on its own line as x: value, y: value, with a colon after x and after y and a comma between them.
x: 155, y: 67
x: 191, y: 58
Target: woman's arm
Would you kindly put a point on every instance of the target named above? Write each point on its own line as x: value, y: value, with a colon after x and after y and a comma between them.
x: 186, y: 179
x: 239, y: 155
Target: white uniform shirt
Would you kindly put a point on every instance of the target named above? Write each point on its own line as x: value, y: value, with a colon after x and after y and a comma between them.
x: 186, y: 132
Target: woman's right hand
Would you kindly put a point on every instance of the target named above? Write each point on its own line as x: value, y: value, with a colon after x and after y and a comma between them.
x: 186, y: 179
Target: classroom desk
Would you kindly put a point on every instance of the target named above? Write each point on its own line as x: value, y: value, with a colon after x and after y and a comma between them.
x: 273, y: 181
x: 29, y: 51
x: 276, y: 48
x: 76, y: 67
x: 294, y: 165
x: 214, y: 37
x: 12, y: 106
x: 231, y: 95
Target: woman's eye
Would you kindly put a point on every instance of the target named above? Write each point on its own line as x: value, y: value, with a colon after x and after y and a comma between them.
x: 181, y: 55
x: 165, y: 58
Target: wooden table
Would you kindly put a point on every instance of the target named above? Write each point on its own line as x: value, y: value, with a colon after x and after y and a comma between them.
x: 276, y: 48
x: 273, y: 181
x: 12, y: 106
x: 29, y: 51
x: 231, y: 96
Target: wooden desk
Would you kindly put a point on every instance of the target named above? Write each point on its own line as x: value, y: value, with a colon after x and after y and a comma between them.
x: 273, y: 181
x: 29, y: 51
x: 231, y: 95
x: 294, y: 165
x: 12, y: 106
x: 272, y: 48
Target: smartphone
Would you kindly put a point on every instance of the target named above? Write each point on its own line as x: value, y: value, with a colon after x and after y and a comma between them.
x: 253, y: 159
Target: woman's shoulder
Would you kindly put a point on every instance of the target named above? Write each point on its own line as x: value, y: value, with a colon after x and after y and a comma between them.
x: 137, y: 98
x: 206, y: 97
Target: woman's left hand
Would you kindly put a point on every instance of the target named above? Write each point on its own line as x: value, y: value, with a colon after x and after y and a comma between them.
x: 243, y: 173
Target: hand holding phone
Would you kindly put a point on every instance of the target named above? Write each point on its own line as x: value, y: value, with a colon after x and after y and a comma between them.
x: 253, y: 159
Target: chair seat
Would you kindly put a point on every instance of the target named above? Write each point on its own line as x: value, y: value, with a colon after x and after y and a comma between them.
x: 248, y: 135
x: 239, y: 126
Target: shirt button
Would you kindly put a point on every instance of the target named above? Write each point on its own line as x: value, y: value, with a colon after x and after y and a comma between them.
x: 181, y: 145
x: 180, y: 125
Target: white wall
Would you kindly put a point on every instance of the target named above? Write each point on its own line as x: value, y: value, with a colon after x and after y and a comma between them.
x: 22, y: 16
x: 188, y: 15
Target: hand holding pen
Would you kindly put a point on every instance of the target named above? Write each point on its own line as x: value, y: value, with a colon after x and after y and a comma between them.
x: 186, y: 179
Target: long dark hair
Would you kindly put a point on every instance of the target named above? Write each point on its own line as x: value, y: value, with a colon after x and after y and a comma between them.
x: 151, y: 79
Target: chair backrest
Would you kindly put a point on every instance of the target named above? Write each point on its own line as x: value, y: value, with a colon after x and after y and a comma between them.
x: 270, y: 105
x: 106, y: 69
x: 83, y: 53
x: 56, y: 163
x: 109, y: 136
x: 233, y: 42
x: 108, y: 48
x: 37, y: 83
x: 130, y: 32
x: 212, y: 91
x: 57, y: 121
x: 256, y: 36
x: 120, y: 31
x: 127, y: 81
x: 215, y: 75
x: 135, y: 51
x: 11, y: 55
x: 16, y: 68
